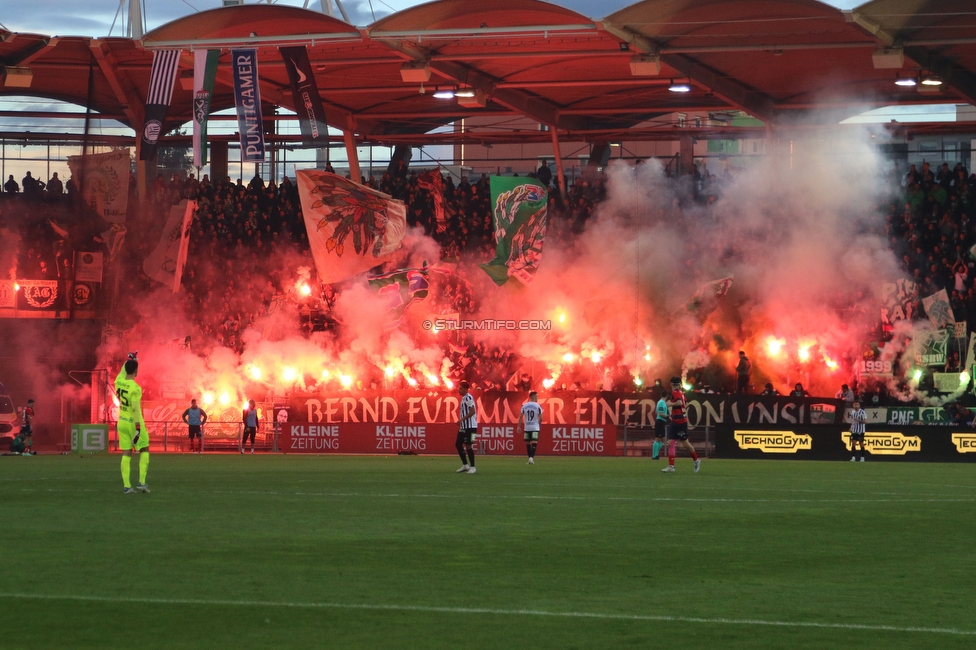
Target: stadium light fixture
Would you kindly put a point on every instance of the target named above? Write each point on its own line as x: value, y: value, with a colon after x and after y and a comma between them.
x: 931, y: 80
x: 906, y: 80
x: 444, y: 93
x: 679, y: 86
x: 465, y: 92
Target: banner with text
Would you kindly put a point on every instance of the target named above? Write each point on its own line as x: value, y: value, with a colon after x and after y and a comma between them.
x: 561, y: 408
x: 88, y: 266
x: 36, y: 295
x: 247, y: 96
x: 305, y: 95
x: 439, y: 438
x: 899, y: 301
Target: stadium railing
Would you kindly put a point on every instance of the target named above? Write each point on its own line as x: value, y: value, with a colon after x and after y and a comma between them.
x: 173, y: 436
x: 639, y: 441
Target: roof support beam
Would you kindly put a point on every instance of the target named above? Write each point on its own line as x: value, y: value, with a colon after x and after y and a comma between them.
x: 532, y: 107
x: 756, y: 104
x: 26, y: 55
x: 125, y: 92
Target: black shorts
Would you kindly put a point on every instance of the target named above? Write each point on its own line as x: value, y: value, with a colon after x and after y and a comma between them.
x: 857, y: 437
x: 678, y: 431
x: 26, y: 430
x: 660, y: 428
x: 194, y: 431
x: 466, y: 436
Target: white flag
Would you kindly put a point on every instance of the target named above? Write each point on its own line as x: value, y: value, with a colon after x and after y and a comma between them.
x: 164, y: 264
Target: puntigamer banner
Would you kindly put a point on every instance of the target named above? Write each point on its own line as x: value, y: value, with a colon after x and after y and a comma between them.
x: 247, y: 96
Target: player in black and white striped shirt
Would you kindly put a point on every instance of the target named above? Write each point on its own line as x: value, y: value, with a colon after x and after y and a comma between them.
x: 858, y: 424
x: 467, y: 429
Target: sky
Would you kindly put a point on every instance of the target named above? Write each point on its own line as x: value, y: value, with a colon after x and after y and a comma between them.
x: 95, y: 17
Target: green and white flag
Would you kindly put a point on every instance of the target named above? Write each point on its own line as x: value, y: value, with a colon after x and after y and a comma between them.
x: 519, y: 209
x: 204, y: 73
x: 930, y: 346
x: 938, y: 310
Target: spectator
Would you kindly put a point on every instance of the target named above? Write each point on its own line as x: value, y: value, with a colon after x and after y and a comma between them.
x: 32, y: 186
x: 845, y: 393
x: 54, y: 187
x: 742, y: 374
x: 798, y: 391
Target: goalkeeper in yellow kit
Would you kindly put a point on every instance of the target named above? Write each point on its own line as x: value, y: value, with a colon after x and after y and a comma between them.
x: 132, y: 427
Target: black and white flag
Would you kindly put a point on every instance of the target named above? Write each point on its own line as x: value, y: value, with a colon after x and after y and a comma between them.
x: 164, y: 67
x: 305, y: 95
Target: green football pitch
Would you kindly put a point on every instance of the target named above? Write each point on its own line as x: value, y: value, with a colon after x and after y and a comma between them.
x: 396, y: 552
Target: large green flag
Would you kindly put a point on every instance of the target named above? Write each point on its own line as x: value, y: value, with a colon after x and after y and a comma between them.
x: 519, y: 209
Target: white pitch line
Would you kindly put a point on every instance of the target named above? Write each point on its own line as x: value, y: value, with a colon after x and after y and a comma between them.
x: 495, y: 612
x: 532, y: 497
x: 543, y: 497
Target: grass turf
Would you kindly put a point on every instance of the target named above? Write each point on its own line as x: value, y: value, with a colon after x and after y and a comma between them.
x: 287, y: 551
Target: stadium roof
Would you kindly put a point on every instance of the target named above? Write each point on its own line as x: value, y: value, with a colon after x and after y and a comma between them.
x: 785, y: 62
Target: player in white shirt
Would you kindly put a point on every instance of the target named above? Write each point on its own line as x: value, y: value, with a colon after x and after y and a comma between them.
x: 529, y: 420
x: 467, y: 429
x: 858, y: 425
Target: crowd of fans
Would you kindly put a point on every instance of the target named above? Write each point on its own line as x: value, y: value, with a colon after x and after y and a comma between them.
x: 932, y: 232
x: 46, y: 226
x: 234, y: 274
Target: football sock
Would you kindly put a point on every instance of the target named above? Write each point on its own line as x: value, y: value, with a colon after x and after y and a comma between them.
x: 671, y: 453
x: 143, y: 466
x: 532, y: 453
x: 126, y: 467
x: 528, y: 450
x: 471, y: 457
x: 656, y: 451
x: 694, y: 455
x: 464, y: 459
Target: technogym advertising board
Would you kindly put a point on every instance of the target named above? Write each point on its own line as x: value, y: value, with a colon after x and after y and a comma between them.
x: 908, y: 443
